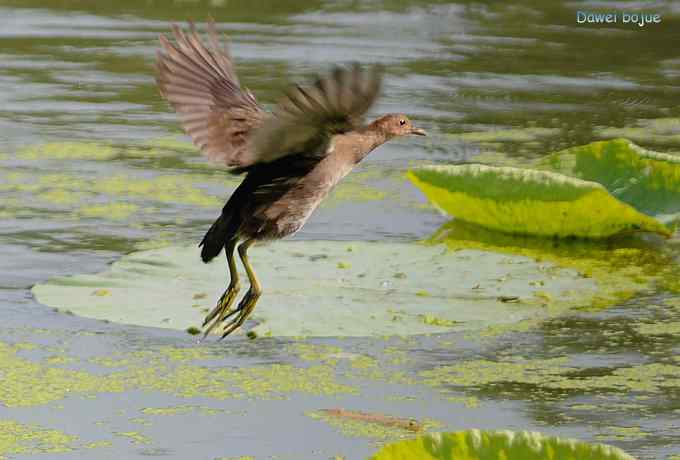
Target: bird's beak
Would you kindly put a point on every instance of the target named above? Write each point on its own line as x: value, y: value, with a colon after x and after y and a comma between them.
x: 418, y: 132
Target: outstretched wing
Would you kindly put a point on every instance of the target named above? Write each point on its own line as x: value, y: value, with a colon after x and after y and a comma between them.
x: 200, y: 83
x: 306, y: 118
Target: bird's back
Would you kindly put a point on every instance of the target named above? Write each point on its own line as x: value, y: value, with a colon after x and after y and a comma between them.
x: 276, y: 199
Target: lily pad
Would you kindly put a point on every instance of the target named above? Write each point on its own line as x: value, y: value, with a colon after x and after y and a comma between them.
x: 647, y: 180
x: 325, y: 288
x: 483, y: 445
x: 529, y: 202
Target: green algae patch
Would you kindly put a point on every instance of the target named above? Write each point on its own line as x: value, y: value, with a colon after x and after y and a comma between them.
x: 506, y: 135
x: 506, y: 445
x: 180, y: 410
x: 307, y: 292
x: 115, y: 197
x: 665, y: 328
x: 551, y: 378
x: 355, y: 192
x: 485, y: 372
x: 68, y: 151
x: 166, y: 370
x: 172, y: 144
x: 26, y: 383
x: 529, y: 202
x: 135, y: 437
x: 111, y: 211
x: 16, y: 438
x: 660, y: 131
x: 647, y: 180
x: 622, y: 433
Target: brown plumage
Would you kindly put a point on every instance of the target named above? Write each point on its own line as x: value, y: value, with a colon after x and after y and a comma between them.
x: 291, y: 158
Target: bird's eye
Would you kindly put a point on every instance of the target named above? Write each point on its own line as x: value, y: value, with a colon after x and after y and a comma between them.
x: 402, y: 122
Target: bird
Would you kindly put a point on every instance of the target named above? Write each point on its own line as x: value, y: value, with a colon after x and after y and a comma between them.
x: 290, y: 158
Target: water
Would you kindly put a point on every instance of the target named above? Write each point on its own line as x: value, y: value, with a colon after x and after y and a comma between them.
x: 523, y: 77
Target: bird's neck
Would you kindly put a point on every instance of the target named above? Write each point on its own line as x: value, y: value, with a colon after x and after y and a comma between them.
x: 368, y: 140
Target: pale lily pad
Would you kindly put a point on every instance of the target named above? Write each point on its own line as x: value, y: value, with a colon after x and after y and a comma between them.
x: 483, y: 445
x: 647, y: 180
x: 529, y: 202
x: 325, y: 288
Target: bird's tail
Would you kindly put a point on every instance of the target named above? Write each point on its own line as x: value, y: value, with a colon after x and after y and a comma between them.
x: 215, y: 239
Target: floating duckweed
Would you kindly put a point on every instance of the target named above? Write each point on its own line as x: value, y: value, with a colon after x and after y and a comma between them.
x: 68, y: 151
x: 180, y: 410
x: 586, y: 407
x: 173, y: 143
x: 661, y: 131
x: 554, y: 374
x: 16, y: 438
x: 243, y: 457
x: 175, y: 188
x: 313, y: 352
x: 57, y: 360
x: 112, y: 211
x: 355, y: 192
x: 485, y: 372
x: 506, y: 135
x: 434, y: 321
x: 27, y: 384
x: 470, y: 402
x: 364, y: 362
x: 135, y: 437
x: 667, y: 328
x: 622, y: 433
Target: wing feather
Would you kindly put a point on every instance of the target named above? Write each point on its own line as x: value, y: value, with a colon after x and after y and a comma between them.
x: 309, y: 115
x: 199, y: 81
x: 226, y: 122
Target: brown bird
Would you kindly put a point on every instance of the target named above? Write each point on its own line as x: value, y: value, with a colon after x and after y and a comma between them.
x: 291, y: 158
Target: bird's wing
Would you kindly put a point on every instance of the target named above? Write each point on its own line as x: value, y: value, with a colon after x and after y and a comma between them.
x: 308, y: 115
x: 200, y: 83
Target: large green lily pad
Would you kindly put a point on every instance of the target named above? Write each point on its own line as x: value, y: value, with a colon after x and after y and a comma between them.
x: 325, y: 288
x: 488, y: 445
x: 647, y: 180
x: 529, y: 202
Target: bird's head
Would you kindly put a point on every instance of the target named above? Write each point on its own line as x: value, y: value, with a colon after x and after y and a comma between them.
x: 396, y: 124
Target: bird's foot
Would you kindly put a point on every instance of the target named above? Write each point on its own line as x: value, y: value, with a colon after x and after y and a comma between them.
x: 242, y: 312
x: 221, y: 310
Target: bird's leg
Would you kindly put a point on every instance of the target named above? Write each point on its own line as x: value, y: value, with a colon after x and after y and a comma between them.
x: 224, y: 304
x: 247, y: 304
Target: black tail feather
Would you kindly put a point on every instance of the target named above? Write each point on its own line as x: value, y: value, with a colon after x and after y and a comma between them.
x: 215, y: 239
